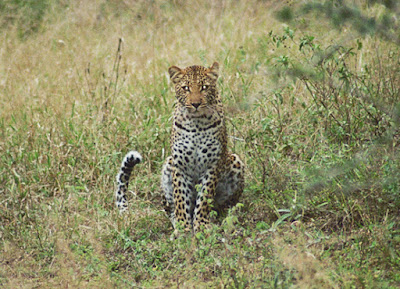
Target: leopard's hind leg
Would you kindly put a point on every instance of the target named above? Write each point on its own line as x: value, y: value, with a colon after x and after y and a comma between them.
x: 167, y: 190
x: 230, y: 185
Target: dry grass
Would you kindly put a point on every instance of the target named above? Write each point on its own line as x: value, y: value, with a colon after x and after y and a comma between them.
x: 69, y: 111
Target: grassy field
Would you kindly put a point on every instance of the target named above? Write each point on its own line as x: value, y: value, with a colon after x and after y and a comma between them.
x: 312, y: 98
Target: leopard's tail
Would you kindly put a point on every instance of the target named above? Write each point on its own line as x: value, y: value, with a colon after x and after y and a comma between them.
x: 130, y: 160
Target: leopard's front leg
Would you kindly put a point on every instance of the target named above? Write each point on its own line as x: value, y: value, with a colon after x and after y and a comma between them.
x: 204, y: 200
x: 182, y: 185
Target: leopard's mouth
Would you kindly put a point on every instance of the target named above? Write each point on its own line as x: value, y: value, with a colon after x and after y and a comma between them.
x: 200, y: 112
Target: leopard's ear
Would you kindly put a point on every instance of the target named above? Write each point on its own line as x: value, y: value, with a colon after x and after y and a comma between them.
x: 175, y: 73
x: 212, y: 72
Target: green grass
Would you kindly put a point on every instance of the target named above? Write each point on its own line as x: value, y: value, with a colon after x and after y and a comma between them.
x: 313, y: 110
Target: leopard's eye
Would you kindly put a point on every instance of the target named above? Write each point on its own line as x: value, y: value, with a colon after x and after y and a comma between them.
x: 204, y: 87
x: 186, y: 88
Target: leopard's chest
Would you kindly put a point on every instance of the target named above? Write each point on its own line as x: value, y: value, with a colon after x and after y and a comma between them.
x: 197, y: 146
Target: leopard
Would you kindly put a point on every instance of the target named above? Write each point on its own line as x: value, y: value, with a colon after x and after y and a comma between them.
x: 200, y: 175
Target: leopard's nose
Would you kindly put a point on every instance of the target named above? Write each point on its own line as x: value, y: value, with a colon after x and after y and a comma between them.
x: 196, y: 104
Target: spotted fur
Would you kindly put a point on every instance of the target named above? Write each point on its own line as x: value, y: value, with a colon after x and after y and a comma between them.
x: 130, y: 160
x: 200, y: 173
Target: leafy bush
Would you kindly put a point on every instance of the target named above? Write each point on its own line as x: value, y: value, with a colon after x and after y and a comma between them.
x: 327, y: 156
x: 352, y: 104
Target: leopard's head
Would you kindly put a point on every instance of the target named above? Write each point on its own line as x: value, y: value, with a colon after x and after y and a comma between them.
x: 195, y: 86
